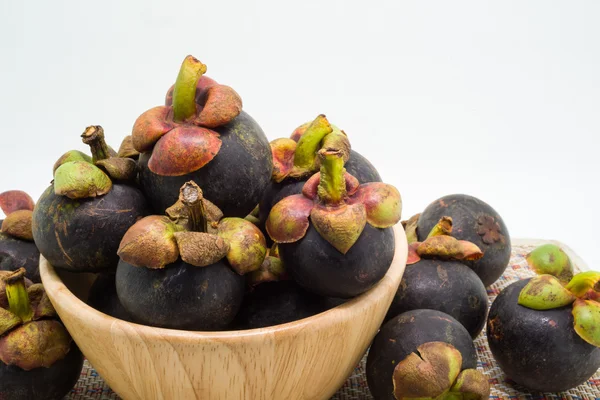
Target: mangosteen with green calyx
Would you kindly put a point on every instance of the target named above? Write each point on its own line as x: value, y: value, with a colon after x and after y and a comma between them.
x: 552, y: 260
x: 38, y: 358
x: 202, y: 134
x: 436, y: 278
x: 544, y: 335
x: 17, y: 248
x: 477, y: 222
x: 403, y: 335
x: 295, y: 159
x: 336, y: 238
x: 174, y: 274
x: 80, y: 219
x: 103, y: 297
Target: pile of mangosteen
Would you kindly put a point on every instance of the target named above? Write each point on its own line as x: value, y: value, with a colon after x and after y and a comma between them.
x: 198, y: 222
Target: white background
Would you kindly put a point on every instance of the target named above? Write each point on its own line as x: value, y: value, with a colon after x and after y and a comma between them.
x: 500, y: 101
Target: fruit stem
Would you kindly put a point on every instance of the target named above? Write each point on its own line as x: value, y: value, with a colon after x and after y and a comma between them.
x: 190, y: 195
x: 93, y: 136
x: 443, y: 227
x: 184, y: 92
x: 309, y: 142
x: 332, y: 185
x: 16, y: 293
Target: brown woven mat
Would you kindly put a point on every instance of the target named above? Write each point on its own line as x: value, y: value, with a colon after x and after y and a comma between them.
x: 92, y: 387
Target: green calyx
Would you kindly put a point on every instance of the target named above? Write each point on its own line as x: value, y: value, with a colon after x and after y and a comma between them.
x: 72, y: 155
x: 586, y: 316
x: 332, y: 184
x: 433, y: 372
x: 552, y: 260
x: 585, y: 285
x: 80, y: 179
x: 545, y: 292
x: 184, y: 91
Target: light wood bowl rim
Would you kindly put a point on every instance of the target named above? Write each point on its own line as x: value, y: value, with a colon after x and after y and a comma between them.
x: 59, y: 292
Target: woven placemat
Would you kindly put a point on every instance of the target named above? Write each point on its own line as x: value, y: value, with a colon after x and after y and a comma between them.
x: 92, y: 387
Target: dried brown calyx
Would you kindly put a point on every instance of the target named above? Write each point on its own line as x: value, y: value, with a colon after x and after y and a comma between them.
x: 338, y: 206
x: 195, y: 231
x: 78, y: 176
x: 441, y: 245
x: 30, y: 334
x: 181, y: 134
x: 546, y: 292
x: 433, y: 372
x: 17, y: 206
x: 297, y: 157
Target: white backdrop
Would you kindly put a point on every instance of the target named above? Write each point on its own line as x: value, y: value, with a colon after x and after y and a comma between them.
x: 499, y: 101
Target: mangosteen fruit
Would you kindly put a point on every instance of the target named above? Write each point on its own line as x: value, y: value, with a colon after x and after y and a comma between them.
x: 17, y: 248
x: 405, y: 334
x: 103, y: 297
x: 80, y: 219
x: 476, y: 222
x: 296, y: 159
x: 544, y: 334
x: 275, y: 303
x: 336, y: 238
x: 202, y: 134
x: 552, y: 260
x: 436, y: 278
x: 186, y: 271
x: 38, y: 358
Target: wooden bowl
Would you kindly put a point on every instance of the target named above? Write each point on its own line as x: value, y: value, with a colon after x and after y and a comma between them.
x: 306, y: 359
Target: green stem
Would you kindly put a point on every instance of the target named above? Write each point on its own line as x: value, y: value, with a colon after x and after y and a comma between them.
x: 191, y: 197
x: 16, y: 293
x: 332, y: 184
x: 184, y: 92
x: 443, y: 227
x: 310, y: 142
x: 93, y: 136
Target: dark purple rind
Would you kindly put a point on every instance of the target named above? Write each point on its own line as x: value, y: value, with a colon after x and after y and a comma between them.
x: 447, y: 286
x: 465, y: 211
x: 402, y: 335
x: 538, y: 349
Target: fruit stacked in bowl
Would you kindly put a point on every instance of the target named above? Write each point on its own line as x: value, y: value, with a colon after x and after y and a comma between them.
x: 201, y: 261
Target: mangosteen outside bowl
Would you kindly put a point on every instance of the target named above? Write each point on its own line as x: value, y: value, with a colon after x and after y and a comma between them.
x: 306, y: 359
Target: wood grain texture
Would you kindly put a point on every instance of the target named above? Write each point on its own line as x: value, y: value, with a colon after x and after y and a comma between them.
x: 306, y: 359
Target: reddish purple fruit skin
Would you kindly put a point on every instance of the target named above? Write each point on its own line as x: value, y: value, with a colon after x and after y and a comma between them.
x: 538, y: 349
x: 465, y: 212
